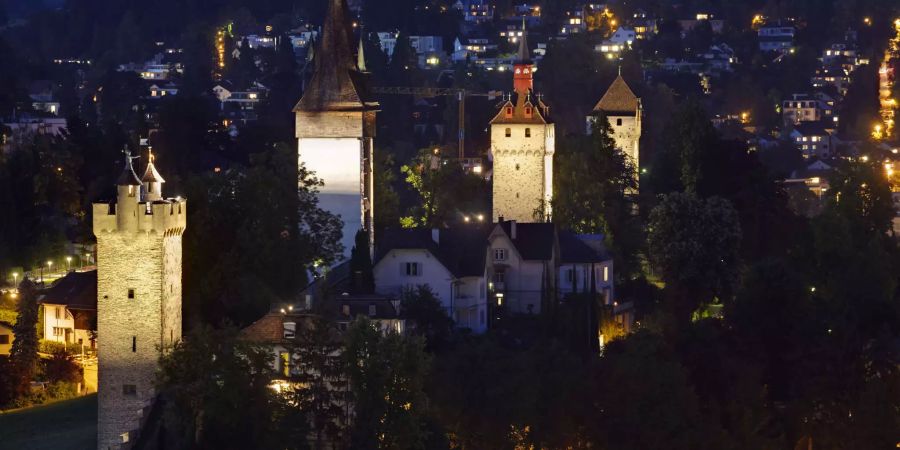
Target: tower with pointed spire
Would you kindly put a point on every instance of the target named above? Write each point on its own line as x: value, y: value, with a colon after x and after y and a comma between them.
x: 139, y: 238
x: 335, y: 128
x: 623, y: 110
x: 523, y: 140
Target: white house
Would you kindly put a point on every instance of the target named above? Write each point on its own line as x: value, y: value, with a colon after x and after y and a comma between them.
x: 807, y: 108
x: 814, y: 139
x: 779, y: 38
x: 522, y: 263
x: 585, y: 265
x: 69, y: 309
x: 450, y: 261
x: 620, y: 41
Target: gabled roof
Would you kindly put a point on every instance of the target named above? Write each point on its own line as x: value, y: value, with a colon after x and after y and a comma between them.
x: 461, y: 250
x: 518, y: 115
x: 76, y: 290
x: 359, y: 305
x: 269, y: 329
x: 337, y: 84
x: 534, y: 241
x: 813, y: 128
x: 582, y: 248
x: 618, y: 99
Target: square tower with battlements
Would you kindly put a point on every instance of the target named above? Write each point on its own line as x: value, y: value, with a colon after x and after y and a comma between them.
x: 522, y: 146
x: 138, y: 298
x: 623, y: 110
x: 335, y: 128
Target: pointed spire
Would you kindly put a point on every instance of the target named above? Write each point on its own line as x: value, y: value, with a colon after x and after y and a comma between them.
x: 151, y: 175
x: 128, y: 177
x: 361, y: 55
x: 335, y: 85
x: 523, y: 55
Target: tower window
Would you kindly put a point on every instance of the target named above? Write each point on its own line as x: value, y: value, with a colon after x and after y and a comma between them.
x: 129, y: 390
x: 517, y: 167
x: 508, y: 132
x: 509, y: 111
x: 134, y: 344
x: 527, y: 112
x: 131, y: 294
x: 528, y: 131
x: 618, y: 122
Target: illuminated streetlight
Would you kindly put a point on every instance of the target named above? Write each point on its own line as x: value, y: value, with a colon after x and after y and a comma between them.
x: 68, y: 262
x: 15, y: 276
x: 49, y: 267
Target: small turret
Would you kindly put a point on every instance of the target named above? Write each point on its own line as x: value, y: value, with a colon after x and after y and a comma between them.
x: 128, y: 188
x: 523, y: 69
x: 152, y: 181
x: 361, y: 55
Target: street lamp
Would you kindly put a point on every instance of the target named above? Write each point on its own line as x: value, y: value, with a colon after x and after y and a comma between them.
x: 49, y: 267
x: 15, y: 276
x: 68, y: 261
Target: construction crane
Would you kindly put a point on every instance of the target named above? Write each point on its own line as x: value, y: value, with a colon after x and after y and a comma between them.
x: 460, y: 95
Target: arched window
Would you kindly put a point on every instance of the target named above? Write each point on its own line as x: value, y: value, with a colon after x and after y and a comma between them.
x: 508, y: 132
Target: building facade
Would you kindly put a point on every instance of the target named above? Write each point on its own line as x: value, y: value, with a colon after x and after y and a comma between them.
x: 139, y: 239
x: 523, y: 141
x: 335, y: 128
x: 623, y: 110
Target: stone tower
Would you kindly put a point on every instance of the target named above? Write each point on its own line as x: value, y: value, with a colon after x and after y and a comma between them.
x: 138, y: 298
x: 623, y: 110
x: 522, y: 146
x: 335, y: 127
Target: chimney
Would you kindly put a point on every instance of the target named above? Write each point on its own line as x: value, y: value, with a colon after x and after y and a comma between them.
x: 436, y: 235
x: 512, y: 229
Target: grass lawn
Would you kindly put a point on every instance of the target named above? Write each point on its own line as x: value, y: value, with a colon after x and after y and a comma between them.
x: 68, y: 424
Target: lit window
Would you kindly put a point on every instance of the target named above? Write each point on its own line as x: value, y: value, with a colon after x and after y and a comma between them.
x: 508, y: 132
x: 605, y: 273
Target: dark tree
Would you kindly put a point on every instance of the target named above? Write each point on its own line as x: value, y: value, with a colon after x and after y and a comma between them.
x: 24, y: 352
x: 362, y: 280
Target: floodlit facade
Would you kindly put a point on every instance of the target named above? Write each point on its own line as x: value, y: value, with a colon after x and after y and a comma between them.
x: 335, y: 128
x: 139, y: 241
x: 523, y: 141
x: 623, y: 110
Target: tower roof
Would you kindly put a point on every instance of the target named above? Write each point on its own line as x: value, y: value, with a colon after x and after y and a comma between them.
x: 361, y: 56
x: 523, y: 55
x: 619, y: 98
x: 538, y: 113
x: 337, y: 84
x: 128, y: 177
x: 151, y: 175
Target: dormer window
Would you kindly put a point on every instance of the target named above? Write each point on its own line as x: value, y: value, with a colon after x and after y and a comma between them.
x: 290, y: 330
x: 527, y: 111
x: 518, y: 71
x: 509, y: 111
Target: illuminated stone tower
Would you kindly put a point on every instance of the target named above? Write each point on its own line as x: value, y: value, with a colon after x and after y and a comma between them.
x: 335, y: 127
x: 623, y: 110
x: 522, y: 146
x: 138, y: 298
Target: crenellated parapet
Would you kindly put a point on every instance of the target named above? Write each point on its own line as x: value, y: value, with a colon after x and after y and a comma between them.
x: 163, y: 217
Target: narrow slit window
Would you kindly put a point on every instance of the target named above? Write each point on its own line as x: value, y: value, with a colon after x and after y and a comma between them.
x: 134, y: 344
x: 131, y: 294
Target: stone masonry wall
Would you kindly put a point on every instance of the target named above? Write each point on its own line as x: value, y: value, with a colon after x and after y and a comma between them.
x: 519, y: 170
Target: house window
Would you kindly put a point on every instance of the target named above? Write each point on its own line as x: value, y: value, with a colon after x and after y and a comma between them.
x: 4, y: 339
x: 499, y: 254
x: 508, y: 132
x: 605, y: 273
x: 290, y: 330
x: 528, y: 132
x: 499, y: 277
x: 413, y: 269
x: 509, y: 111
x: 57, y: 331
x: 570, y: 275
x: 129, y: 390
x: 58, y: 313
x: 131, y: 294
x: 528, y: 111
x: 372, y: 310
x: 618, y: 122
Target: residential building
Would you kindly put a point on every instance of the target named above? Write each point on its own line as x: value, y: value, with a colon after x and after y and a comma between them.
x: 815, y: 139
x: 6, y: 337
x: 449, y: 261
x: 808, y: 108
x: 523, y: 140
x: 776, y: 38
x: 335, y: 127
x: 70, y: 310
x: 156, y: 69
x: 477, y: 11
x: 617, y: 43
x: 585, y: 265
x: 832, y: 75
x: 465, y: 48
x: 164, y: 90
x: 522, y: 264
x: 139, y: 238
